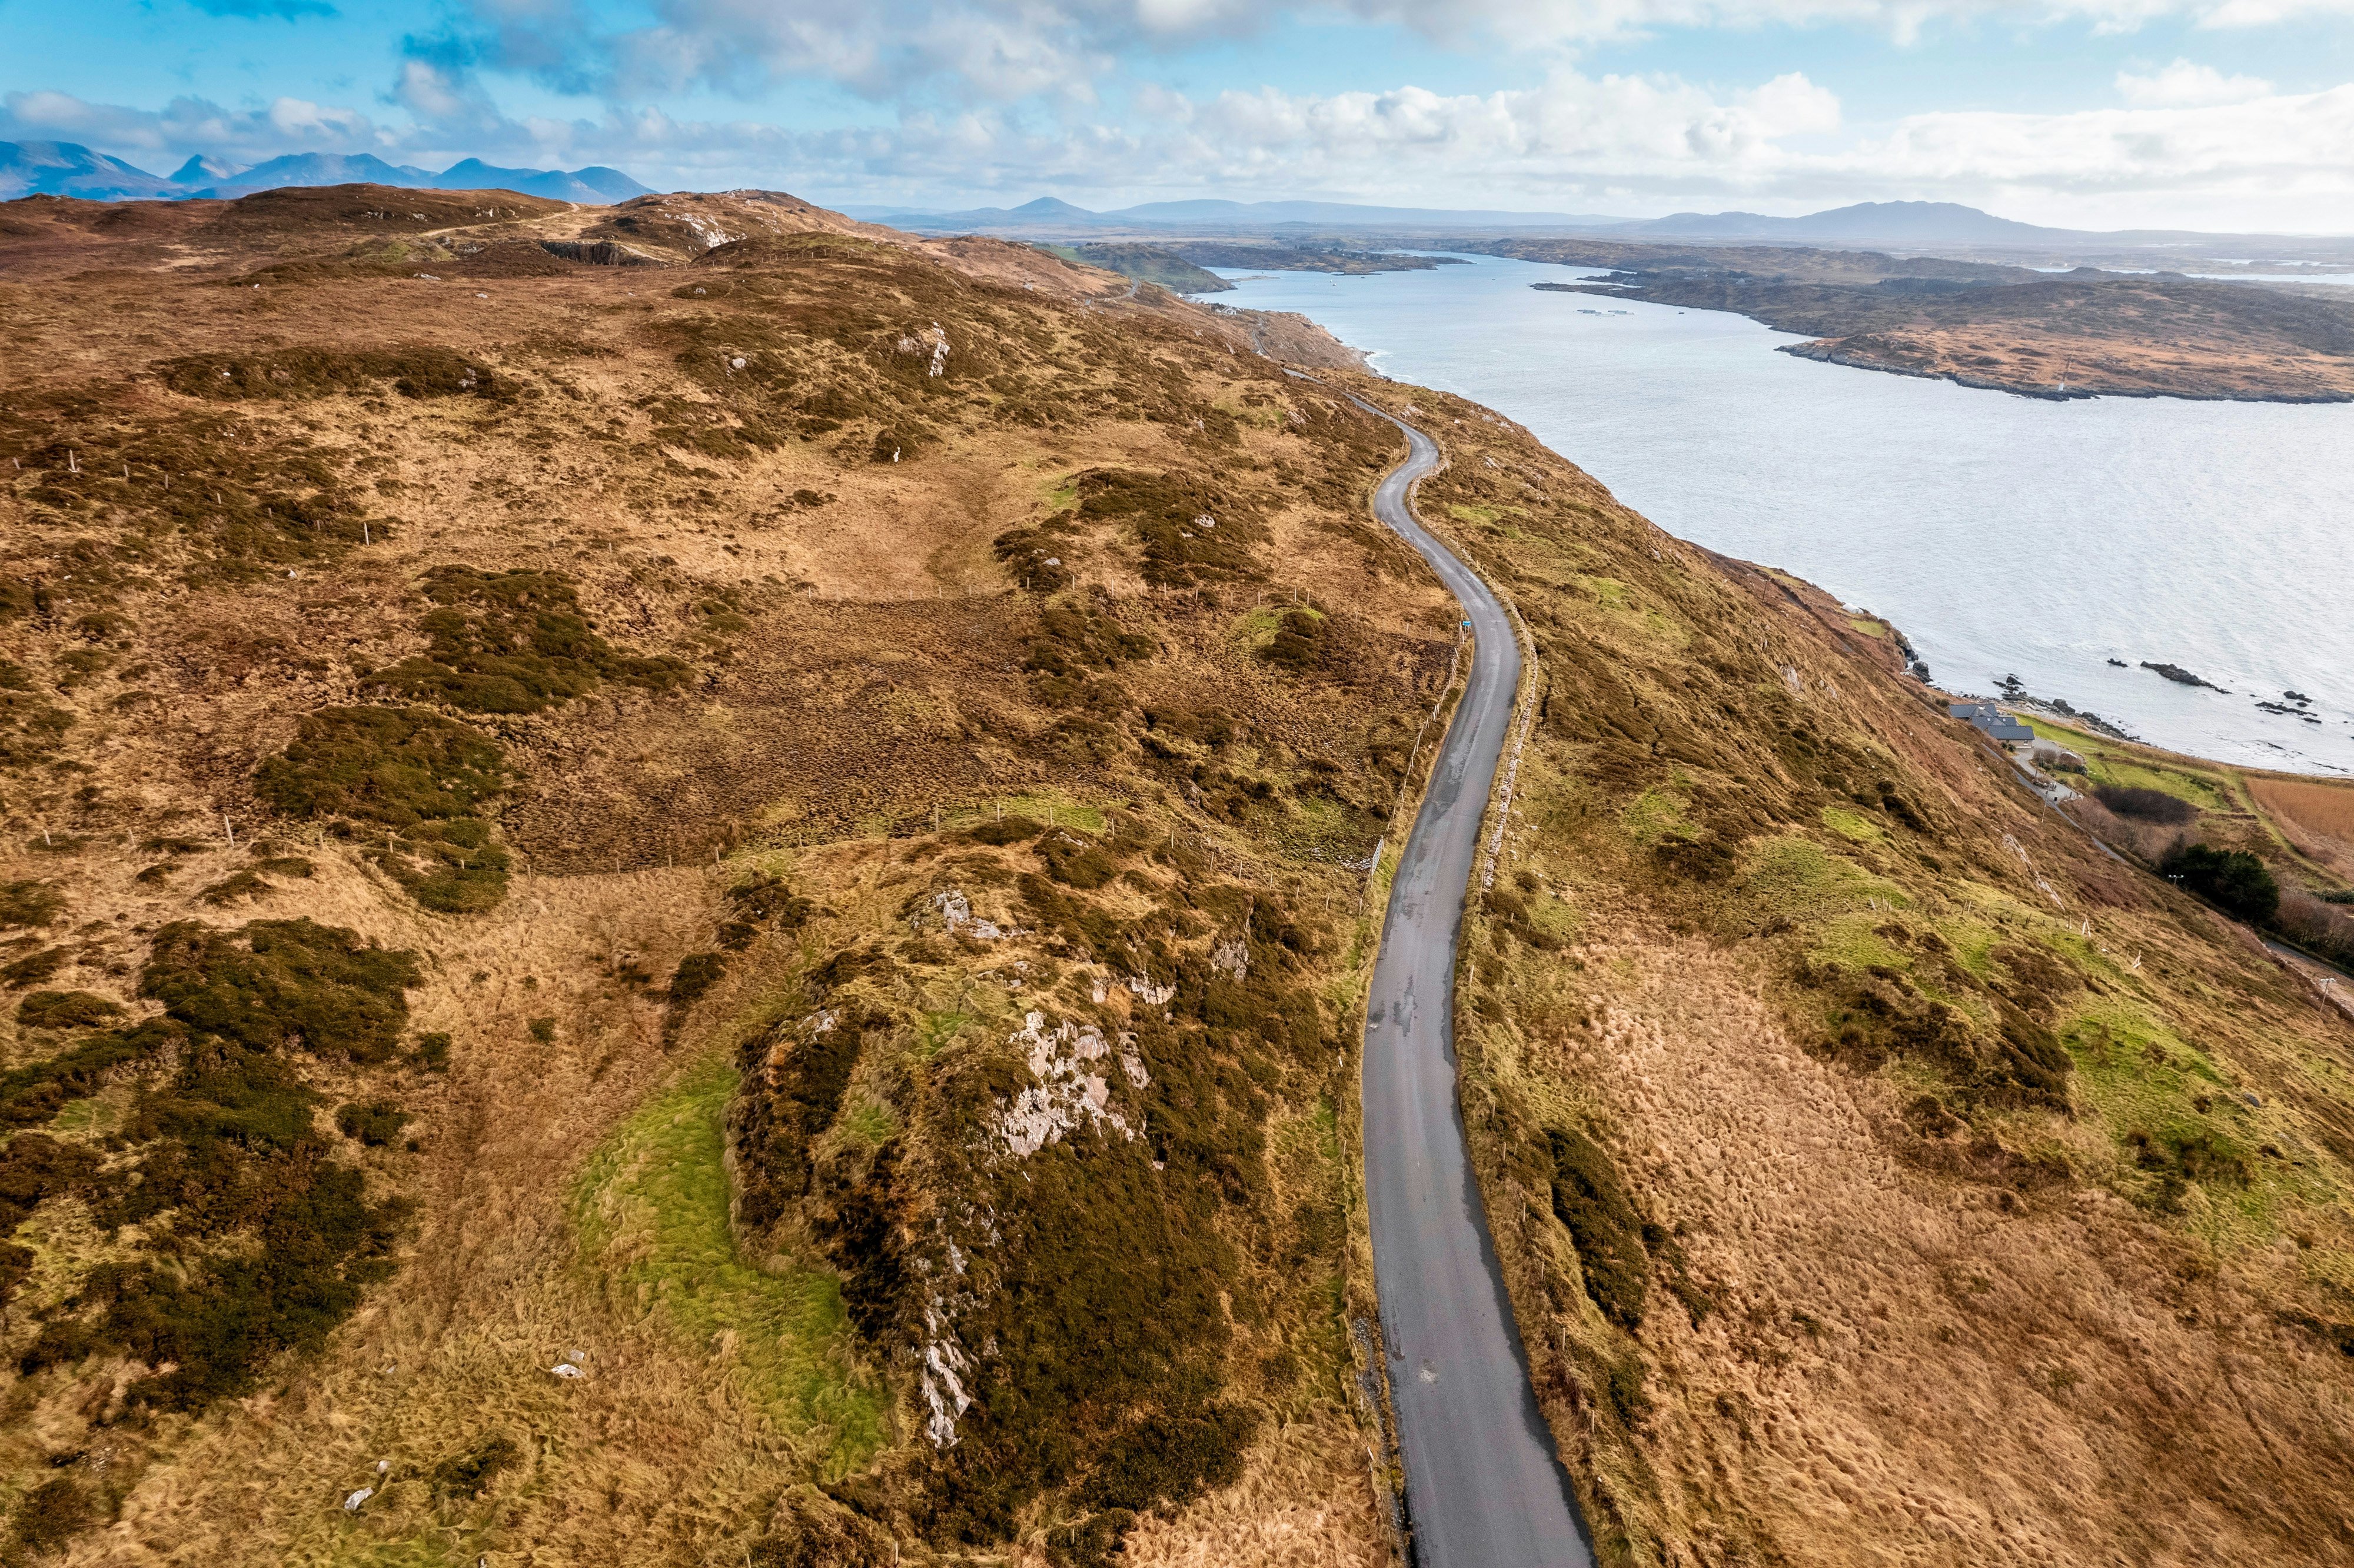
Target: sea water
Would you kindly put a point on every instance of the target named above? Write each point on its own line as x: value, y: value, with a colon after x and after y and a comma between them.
x: 2004, y: 535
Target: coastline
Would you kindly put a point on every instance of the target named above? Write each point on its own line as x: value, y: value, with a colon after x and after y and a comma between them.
x: 2050, y: 362
x: 1644, y: 382
x: 1827, y: 350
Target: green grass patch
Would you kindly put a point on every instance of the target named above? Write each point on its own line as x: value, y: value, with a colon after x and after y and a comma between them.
x: 1655, y: 814
x: 1852, y: 941
x: 1484, y: 515
x: 1052, y: 806
x: 2177, y: 1125
x: 1607, y: 591
x: 869, y: 1121
x: 2103, y: 764
x: 1058, y: 493
x: 652, y: 1212
x: 94, y: 1117
x: 2133, y: 1062
x: 1255, y: 632
x: 1800, y: 879
x: 1973, y: 944
x: 1320, y: 830
x: 932, y: 1036
x: 1853, y: 826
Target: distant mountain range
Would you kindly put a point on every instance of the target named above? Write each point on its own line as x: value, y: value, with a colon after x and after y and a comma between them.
x: 1905, y: 224
x: 1047, y: 212
x: 1876, y: 222
x: 67, y: 169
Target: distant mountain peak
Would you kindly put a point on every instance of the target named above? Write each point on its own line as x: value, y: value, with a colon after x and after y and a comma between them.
x: 203, y: 169
x: 1051, y: 207
x: 67, y: 169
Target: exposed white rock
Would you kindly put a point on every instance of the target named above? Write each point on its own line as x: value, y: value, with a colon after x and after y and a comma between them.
x: 1142, y: 988
x: 352, y: 1504
x: 1232, y: 956
x: 956, y: 914
x: 1066, y: 1097
x: 944, y: 1392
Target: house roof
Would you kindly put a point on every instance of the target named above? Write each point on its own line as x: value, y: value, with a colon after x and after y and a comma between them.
x: 1992, y: 720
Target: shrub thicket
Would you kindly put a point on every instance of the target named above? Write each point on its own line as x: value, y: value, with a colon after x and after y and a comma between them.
x: 375, y: 1123
x: 422, y: 782
x: 259, y: 1240
x: 468, y: 1474
x: 763, y: 901
x: 1590, y: 1200
x: 2147, y: 805
x: 52, y: 1514
x: 66, y: 1010
x: 2233, y: 880
x: 287, y: 373
x: 513, y: 643
x: 30, y: 903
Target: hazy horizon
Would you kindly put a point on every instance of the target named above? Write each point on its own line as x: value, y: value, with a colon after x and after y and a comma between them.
x: 2219, y: 116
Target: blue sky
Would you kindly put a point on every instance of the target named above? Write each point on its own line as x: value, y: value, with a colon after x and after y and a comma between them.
x: 2096, y: 113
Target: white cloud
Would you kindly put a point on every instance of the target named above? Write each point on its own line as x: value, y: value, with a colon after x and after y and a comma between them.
x: 2183, y: 85
x: 2192, y: 149
x: 1007, y: 50
x: 1643, y: 145
x: 1572, y: 126
x: 447, y: 99
x: 1560, y: 20
x: 188, y: 124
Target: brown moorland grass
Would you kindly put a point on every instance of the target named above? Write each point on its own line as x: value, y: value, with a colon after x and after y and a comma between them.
x: 1982, y: 1199
x: 744, y: 641
x: 1881, y: 1174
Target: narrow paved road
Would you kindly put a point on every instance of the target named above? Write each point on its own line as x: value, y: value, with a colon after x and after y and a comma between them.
x: 1482, y: 1484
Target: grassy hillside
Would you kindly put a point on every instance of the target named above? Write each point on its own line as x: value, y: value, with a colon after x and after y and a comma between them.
x: 689, y: 882
x: 1881, y: 1168
x: 512, y: 777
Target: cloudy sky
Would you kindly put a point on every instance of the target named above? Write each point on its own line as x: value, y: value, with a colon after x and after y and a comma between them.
x: 2088, y: 113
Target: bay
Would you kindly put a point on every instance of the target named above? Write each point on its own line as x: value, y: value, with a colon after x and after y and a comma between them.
x: 2005, y: 535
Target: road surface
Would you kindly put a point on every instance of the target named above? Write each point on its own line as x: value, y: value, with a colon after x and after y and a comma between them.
x: 1483, y: 1488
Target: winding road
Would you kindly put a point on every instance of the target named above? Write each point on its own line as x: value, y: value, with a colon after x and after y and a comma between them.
x: 1483, y: 1487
